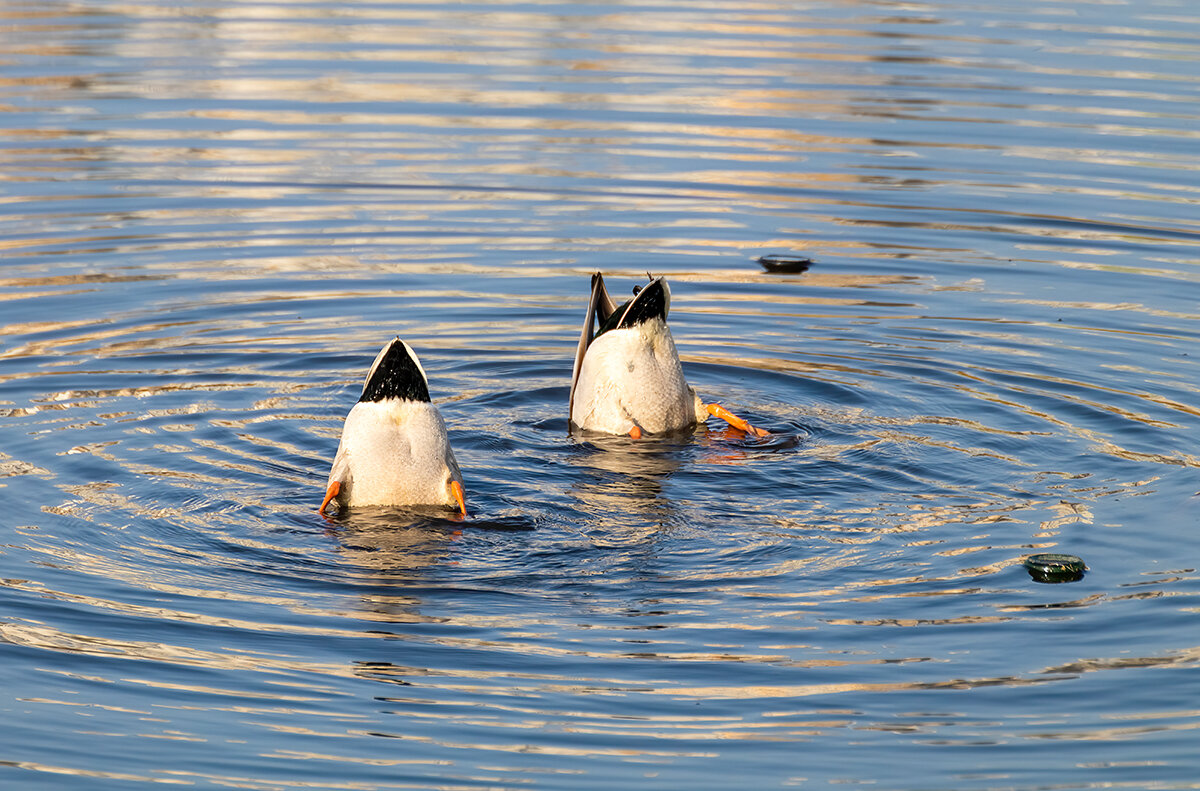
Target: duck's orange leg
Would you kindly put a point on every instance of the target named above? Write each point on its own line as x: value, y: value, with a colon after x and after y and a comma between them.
x: 457, y: 490
x: 330, y: 493
x: 719, y: 411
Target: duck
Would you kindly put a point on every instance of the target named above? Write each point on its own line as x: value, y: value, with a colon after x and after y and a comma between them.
x: 627, y: 377
x: 394, y: 449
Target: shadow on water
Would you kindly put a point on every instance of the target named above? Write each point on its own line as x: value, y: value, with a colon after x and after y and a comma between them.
x: 388, y: 539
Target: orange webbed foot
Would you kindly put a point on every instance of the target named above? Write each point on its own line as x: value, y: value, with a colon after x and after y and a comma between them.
x: 717, y: 410
x: 456, y: 489
x: 330, y: 493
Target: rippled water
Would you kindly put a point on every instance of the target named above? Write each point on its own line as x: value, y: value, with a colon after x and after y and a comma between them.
x: 214, y: 214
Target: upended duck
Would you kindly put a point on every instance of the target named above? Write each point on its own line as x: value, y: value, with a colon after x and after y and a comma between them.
x: 627, y: 377
x: 394, y: 449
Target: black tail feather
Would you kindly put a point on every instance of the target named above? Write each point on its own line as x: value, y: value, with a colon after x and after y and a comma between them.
x: 396, y: 374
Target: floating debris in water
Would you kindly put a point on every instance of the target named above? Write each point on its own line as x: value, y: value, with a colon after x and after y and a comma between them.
x: 1053, y: 567
x: 785, y: 264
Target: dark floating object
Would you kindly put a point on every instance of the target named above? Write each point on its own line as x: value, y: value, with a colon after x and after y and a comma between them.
x: 785, y: 264
x: 1053, y: 567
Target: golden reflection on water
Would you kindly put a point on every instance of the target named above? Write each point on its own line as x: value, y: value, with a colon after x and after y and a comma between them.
x: 54, y: 769
x: 620, y: 485
x: 405, y: 143
x: 48, y: 638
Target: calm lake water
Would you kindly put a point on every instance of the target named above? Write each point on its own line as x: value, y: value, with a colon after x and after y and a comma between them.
x: 214, y: 214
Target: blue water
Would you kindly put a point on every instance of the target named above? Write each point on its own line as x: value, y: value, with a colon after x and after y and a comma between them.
x: 214, y: 214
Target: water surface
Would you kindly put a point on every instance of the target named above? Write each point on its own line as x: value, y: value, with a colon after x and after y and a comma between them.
x: 215, y: 214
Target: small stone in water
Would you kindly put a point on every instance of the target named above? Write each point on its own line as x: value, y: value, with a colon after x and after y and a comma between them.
x: 785, y: 264
x: 1053, y: 567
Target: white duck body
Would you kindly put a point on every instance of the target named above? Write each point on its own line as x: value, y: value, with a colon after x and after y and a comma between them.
x: 632, y: 376
x: 628, y: 378
x: 395, y: 452
x: 394, y: 449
